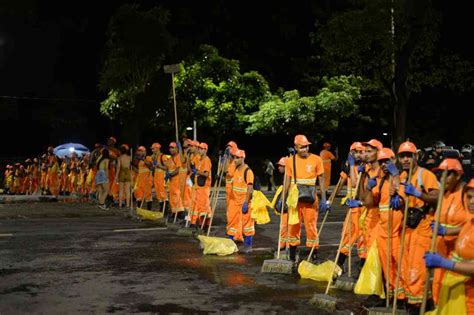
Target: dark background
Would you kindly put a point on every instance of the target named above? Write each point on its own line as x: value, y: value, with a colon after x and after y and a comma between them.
x: 51, y: 54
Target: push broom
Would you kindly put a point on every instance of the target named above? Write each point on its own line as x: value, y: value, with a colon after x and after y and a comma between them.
x: 429, y: 273
x: 347, y: 283
x: 306, y: 264
x: 402, y: 245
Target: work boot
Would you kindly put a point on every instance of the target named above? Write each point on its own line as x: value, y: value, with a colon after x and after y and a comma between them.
x: 293, y: 253
x: 341, y: 260
x: 149, y: 204
x: 247, y: 249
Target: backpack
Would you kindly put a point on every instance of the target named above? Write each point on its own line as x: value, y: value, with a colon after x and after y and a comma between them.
x: 256, y: 180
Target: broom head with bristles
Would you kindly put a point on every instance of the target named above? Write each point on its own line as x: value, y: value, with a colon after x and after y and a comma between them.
x: 277, y: 266
x: 324, y: 302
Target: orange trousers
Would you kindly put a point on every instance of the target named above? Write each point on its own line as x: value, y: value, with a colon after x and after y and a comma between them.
x: 159, y: 184
x: 284, y: 230
x: 327, y: 174
x: 382, y: 245
x: 308, y: 214
x: 44, y: 176
x: 350, y: 237
x: 413, y: 265
x: 176, y: 203
x: 142, y: 189
x: 202, y: 204
x: 113, y: 186
x: 53, y: 182
x: 239, y: 224
x: 367, y: 234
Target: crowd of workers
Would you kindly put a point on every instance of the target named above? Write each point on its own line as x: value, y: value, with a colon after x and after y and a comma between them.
x: 379, y: 183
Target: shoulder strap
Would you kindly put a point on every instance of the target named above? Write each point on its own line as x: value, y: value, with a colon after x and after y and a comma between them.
x: 294, y: 168
x: 245, y: 174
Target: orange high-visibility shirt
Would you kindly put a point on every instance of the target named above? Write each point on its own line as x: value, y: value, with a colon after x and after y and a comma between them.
x: 426, y: 179
x: 204, y: 165
x: 240, y: 183
x: 326, y: 156
x: 383, y: 191
x: 307, y: 170
x: 453, y: 213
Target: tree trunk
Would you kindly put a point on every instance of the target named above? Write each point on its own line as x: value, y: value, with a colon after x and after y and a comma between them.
x: 415, y: 13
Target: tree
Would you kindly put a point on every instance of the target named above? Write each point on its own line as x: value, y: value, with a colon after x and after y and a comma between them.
x: 138, y: 43
x: 212, y: 90
x: 395, y: 64
x: 291, y: 113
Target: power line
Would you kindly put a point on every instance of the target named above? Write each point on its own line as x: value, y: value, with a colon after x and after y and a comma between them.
x: 48, y: 99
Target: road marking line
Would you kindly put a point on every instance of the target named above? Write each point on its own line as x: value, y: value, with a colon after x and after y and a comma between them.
x: 142, y: 229
x: 6, y: 235
x: 328, y: 245
x: 262, y: 249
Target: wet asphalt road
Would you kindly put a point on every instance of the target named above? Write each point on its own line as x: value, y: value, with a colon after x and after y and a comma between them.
x: 60, y: 258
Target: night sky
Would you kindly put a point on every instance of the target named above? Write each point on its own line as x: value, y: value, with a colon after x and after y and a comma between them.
x: 51, y: 53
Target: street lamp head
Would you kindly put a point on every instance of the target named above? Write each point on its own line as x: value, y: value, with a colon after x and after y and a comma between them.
x: 189, y: 128
x: 171, y: 68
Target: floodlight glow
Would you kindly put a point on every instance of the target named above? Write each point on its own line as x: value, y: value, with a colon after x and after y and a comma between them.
x: 71, y: 149
x: 189, y: 128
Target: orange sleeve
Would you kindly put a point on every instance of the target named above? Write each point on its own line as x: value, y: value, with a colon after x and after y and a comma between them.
x: 289, y: 167
x: 250, y: 177
x: 207, y: 165
x: 429, y: 180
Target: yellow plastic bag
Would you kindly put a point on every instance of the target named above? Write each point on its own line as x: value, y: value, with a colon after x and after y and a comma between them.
x: 149, y: 215
x: 259, y: 207
x: 292, y: 203
x: 320, y: 272
x: 370, y: 279
x: 362, y: 219
x: 217, y: 245
x: 452, y: 299
x: 275, y: 200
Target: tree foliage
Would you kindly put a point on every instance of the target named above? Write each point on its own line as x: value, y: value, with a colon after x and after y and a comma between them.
x: 138, y: 43
x: 291, y: 113
x: 212, y: 90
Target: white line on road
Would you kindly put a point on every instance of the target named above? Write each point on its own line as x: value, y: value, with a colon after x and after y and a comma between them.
x: 6, y: 235
x: 142, y: 229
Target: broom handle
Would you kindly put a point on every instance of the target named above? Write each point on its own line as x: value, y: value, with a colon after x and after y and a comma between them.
x: 338, y: 253
x: 211, y: 198
x: 131, y: 179
x: 429, y: 272
x: 331, y: 199
x: 281, y: 214
x: 402, y: 247
x: 220, y: 172
x: 389, y: 249
x: 213, y: 210
x: 350, y: 245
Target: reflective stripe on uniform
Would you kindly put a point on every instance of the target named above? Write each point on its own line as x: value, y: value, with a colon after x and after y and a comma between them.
x: 311, y: 181
x: 239, y: 189
x: 384, y: 208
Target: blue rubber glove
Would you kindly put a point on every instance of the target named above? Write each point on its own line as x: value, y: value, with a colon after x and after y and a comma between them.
x: 353, y: 203
x: 434, y: 260
x: 245, y: 208
x: 167, y: 176
x: 351, y: 159
x: 395, y: 202
x: 324, y: 205
x: 392, y: 168
x: 291, y: 151
x: 371, y: 183
x: 194, y: 169
x: 227, y: 151
x: 155, y: 162
x: 361, y: 168
x: 411, y: 190
x: 441, y: 229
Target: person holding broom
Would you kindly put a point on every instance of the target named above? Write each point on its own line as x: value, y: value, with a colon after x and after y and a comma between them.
x: 461, y: 262
x: 421, y: 192
x: 202, y: 183
x: 305, y: 170
x: 239, y: 220
x: 453, y: 215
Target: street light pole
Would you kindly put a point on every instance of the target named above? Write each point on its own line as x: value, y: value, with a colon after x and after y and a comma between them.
x: 173, y: 69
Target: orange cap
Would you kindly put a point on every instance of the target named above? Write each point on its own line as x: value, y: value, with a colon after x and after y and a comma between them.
x: 173, y: 145
x: 384, y: 154
x: 155, y: 145
x: 407, y: 146
x: 203, y: 145
x: 450, y: 165
x: 282, y: 161
x: 141, y: 148
x: 470, y: 184
x: 238, y: 153
x: 374, y: 143
x: 194, y: 143
x: 326, y: 145
x: 125, y: 146
x: 113, y: 139
x: 301, y: 140
x: 357, y: 146
x: 232, y: 144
